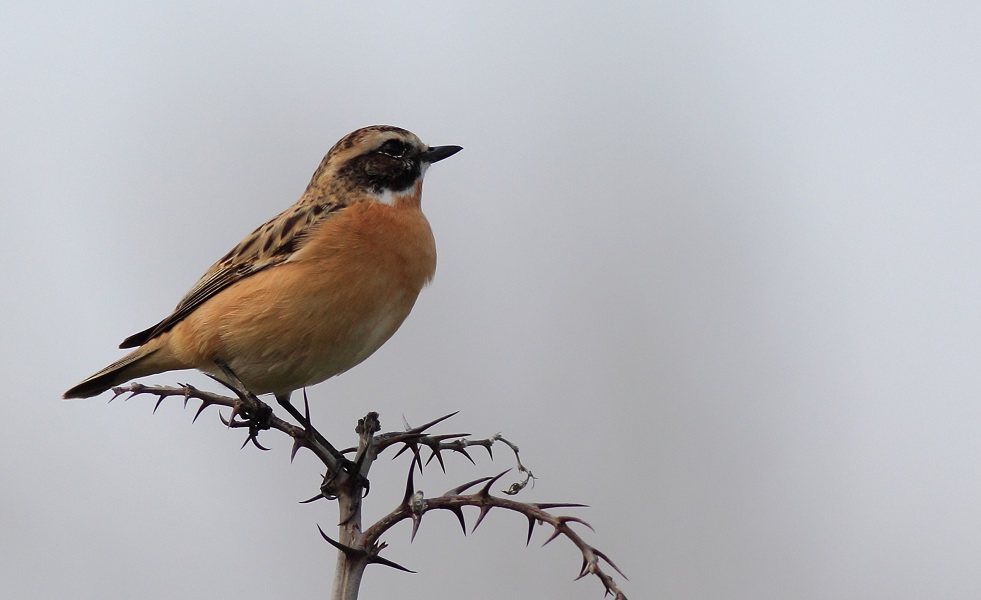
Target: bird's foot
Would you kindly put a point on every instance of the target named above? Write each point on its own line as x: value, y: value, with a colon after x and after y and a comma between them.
x: 253, y: 414
x: 346, y: 476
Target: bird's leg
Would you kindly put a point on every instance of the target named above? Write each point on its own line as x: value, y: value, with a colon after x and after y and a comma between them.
x: 304, y: 420
x: 257, y: 413
x: 329, y: 489
x: 259, y: 419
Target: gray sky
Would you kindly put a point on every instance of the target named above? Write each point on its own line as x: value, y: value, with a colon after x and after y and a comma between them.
x: 713, y: 266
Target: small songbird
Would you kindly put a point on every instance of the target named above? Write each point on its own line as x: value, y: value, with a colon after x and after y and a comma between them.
x: 312, y: 292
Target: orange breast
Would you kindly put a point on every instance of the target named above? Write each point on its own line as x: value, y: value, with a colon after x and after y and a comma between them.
x: 335, y: 302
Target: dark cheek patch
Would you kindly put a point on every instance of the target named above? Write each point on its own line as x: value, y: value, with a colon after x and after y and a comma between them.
x: 378, y: 173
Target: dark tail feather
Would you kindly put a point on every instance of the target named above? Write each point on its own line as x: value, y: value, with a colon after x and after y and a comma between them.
x: 118, y: 372
x: 138, y: 339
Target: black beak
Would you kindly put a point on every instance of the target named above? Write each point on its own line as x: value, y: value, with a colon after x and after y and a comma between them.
x: 438, y: 153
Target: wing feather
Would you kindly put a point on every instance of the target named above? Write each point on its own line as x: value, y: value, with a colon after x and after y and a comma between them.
x: 271, y: 244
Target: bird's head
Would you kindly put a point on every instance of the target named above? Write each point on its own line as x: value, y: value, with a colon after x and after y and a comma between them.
x: 381, y: 161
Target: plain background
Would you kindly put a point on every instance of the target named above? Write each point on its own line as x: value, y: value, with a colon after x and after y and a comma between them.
x: 714, y: 266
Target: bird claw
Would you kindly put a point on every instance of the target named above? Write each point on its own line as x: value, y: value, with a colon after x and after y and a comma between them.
x: 352, y: 469
x: 255, y: 419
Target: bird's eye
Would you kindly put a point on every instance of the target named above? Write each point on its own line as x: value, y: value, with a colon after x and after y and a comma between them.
x: 393, y: 148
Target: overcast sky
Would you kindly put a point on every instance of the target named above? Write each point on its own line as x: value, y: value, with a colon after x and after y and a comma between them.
x: 713, y: 266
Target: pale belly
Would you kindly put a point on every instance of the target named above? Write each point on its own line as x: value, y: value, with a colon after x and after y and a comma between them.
x: 290, y: 359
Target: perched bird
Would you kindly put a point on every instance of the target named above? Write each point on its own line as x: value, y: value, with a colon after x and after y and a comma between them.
x: 312, y: 292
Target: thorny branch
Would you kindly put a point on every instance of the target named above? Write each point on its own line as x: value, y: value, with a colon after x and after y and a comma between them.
x: 345, y: 481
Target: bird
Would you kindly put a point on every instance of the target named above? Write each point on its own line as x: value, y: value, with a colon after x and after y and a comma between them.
x: 312, y: 292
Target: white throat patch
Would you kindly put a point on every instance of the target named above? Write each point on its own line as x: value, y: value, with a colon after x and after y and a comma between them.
x: 386, y: 197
